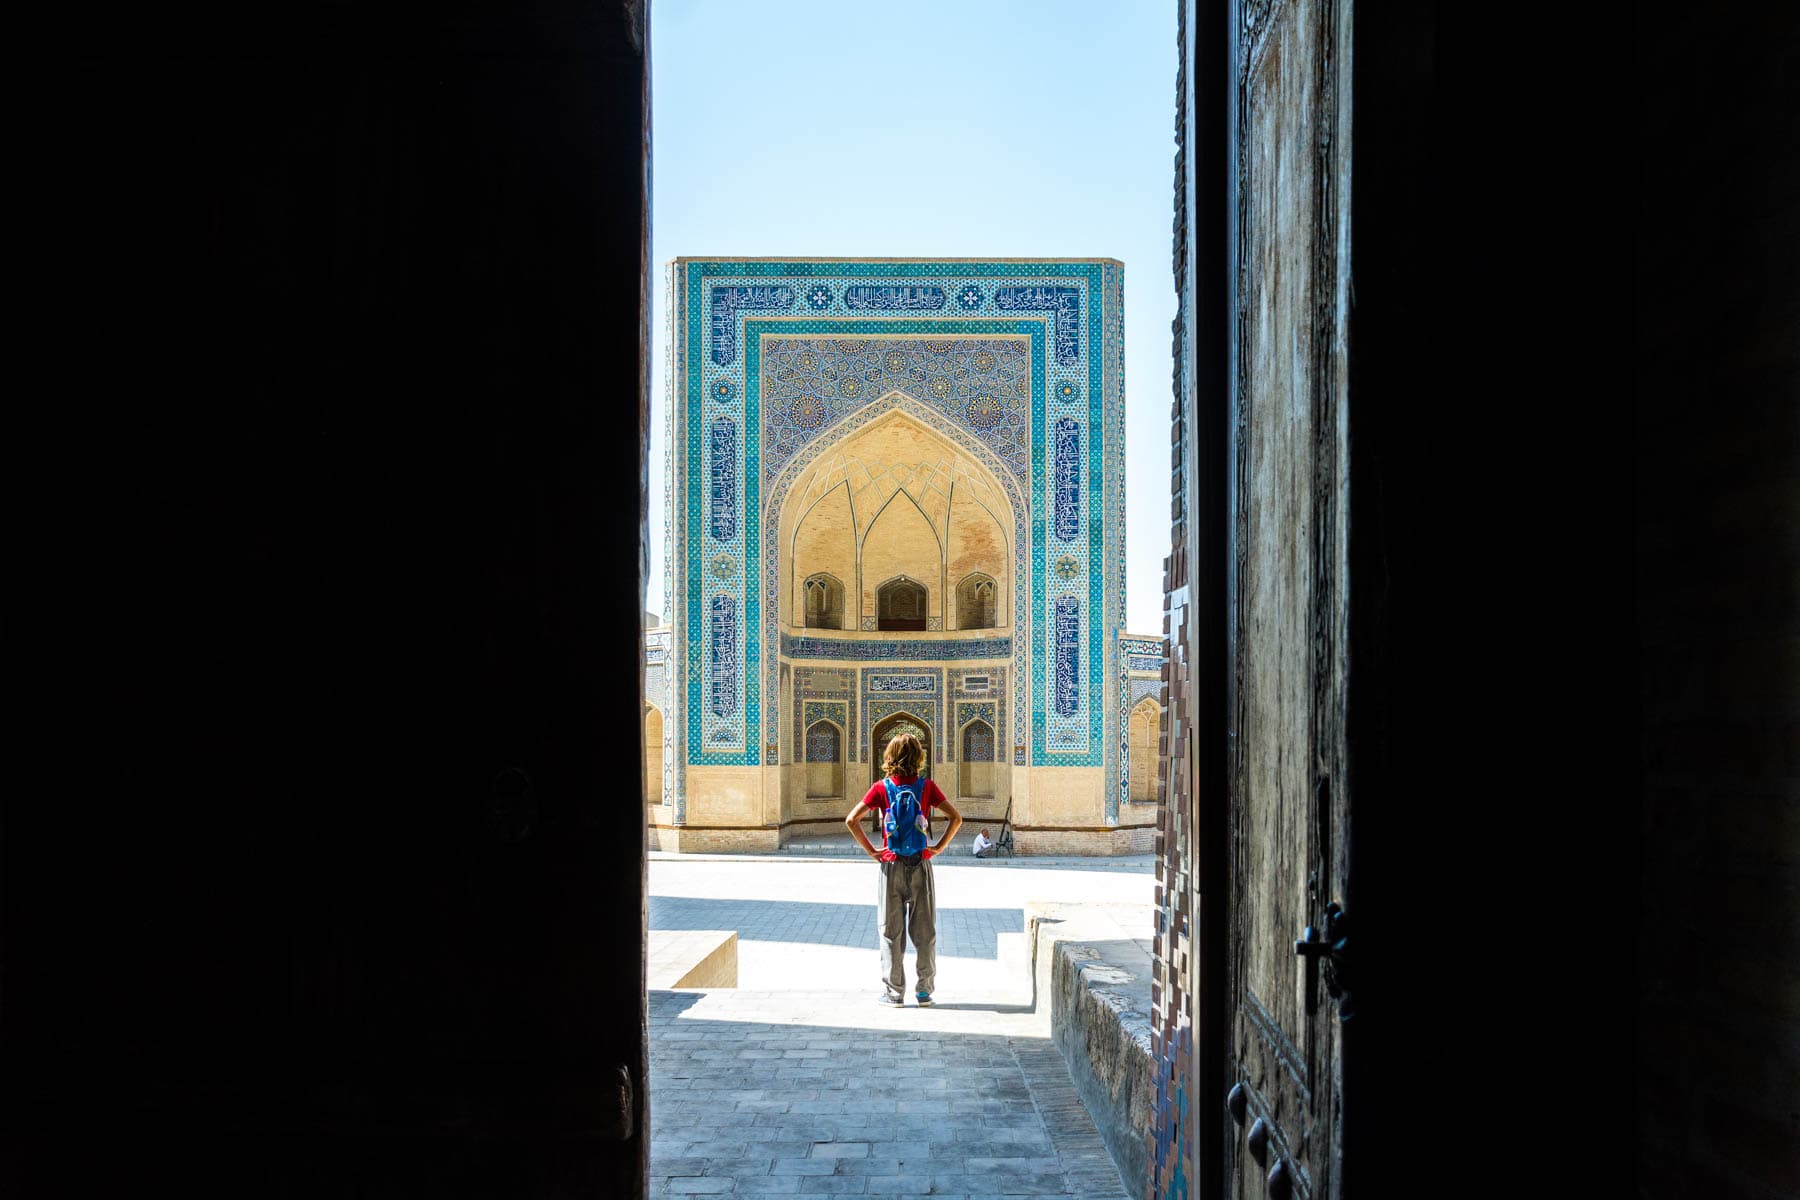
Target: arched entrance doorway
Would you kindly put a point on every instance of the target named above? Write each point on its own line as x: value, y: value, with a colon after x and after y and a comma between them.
x: 653, y: 754
x: 886, y: 728
x: 1145, y: 736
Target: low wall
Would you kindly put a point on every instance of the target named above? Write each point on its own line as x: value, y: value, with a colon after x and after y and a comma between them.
x: 1097, y: 842
x: 691, y: 958
x: 702, y: 839
x: 1091, y: 964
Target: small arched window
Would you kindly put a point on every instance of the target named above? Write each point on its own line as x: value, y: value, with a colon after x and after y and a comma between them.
x: 824, y: 599
x: 900, y: 604
x: 977, y: 603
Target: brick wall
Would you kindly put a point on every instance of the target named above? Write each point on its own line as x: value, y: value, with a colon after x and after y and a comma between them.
x: 1171, y: 1158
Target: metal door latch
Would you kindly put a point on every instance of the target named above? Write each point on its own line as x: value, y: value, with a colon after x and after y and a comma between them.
x: 1334, y: 952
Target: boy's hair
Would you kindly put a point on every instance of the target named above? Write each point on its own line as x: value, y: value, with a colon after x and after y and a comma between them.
x: 904, y: 755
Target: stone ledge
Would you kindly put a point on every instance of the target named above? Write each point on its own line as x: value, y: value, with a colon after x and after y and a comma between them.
x: 1091, y: 969
x: 692, y: 958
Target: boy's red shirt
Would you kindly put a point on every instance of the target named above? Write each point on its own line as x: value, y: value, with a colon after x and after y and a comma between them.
x: 931, y: 795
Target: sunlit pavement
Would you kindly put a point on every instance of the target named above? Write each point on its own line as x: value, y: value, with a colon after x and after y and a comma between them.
x: 798, y: 1082
x: 809, y: 924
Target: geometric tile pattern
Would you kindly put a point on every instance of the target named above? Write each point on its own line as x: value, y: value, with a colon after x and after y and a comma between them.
x: 970, y: 689
x: 982, y: 384
x: 1019, y: 362
x: 918, y: 691
x: 824, y: 742
x: 973, y: 744
x: 823, y: 693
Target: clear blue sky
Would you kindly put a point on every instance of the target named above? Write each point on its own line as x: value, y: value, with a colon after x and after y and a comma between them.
x: 932, y: 129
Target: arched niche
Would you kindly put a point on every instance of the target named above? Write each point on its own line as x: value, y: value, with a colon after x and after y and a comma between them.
x: 653, y: 754
x: 893, y: 497
x: 977, y: 602
x: 977, y: 760
x: 824, y: 759
x: 888, y: 728
x: 1144, y: 732
x: 824, y: 545
x: 977, y: 547
x: 822, y: 602
x: 902, y: 565
x: 902, y: 605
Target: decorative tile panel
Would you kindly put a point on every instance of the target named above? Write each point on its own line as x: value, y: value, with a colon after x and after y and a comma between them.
x: 923, y: 699
x: 724, y: 664
x: 824, y: 742
x: 1068, y: 479
x: 879, y: 684
x: 977, y: 737
x: 893, y: 298
x: 827, y: 693
x: 1067, y: 690
x: 977, y: 710
x: 726, y: 304
x: 724, y: 460
x: 1063, y: 302
x: 988, y: 687
x: 871, y: 650
x: 808, y: 384
x: 1061, y: 324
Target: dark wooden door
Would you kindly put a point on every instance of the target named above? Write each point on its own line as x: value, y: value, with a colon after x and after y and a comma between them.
x: 1287, y: 598
x: 323, y: 888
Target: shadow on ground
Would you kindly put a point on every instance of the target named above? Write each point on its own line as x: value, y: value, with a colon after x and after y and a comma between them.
x: 962, y: 932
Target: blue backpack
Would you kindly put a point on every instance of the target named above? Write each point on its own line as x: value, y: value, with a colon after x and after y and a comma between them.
x: 908, y: 830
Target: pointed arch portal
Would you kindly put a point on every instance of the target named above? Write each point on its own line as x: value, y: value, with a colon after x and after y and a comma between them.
x: 887, y: 728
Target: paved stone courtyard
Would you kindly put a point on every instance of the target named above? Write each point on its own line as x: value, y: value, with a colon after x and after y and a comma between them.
x: 798, y: 1082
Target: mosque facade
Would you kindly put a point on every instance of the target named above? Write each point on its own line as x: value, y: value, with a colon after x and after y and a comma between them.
x: 895, y: 497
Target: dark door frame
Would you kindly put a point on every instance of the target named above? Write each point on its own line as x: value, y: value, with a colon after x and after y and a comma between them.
x: 1210, y: 198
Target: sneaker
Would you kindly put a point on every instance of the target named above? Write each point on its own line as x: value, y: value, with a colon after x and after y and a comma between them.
x: 893, y: 1000
x: 924, y: 999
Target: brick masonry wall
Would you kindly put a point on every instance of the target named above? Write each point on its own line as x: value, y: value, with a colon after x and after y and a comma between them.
x: 1171, y: 1150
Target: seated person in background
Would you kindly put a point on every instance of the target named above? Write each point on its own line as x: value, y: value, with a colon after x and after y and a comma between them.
x: 983, y: 847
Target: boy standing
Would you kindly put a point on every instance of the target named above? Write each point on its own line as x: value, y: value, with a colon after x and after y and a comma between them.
x: 905, y: 898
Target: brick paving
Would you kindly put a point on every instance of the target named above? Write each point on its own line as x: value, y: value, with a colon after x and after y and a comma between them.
x: 798, y: 1083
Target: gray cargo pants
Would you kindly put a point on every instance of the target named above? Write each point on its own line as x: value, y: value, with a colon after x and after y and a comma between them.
x: 906, y: 905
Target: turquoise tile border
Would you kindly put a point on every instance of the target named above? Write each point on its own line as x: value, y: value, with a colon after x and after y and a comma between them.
x: 1099, y: 623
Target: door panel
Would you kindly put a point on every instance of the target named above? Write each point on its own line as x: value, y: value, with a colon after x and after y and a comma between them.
x: 1287, y: 601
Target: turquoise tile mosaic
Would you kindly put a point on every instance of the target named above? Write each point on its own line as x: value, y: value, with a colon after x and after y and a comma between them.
x: 1020, y: 363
